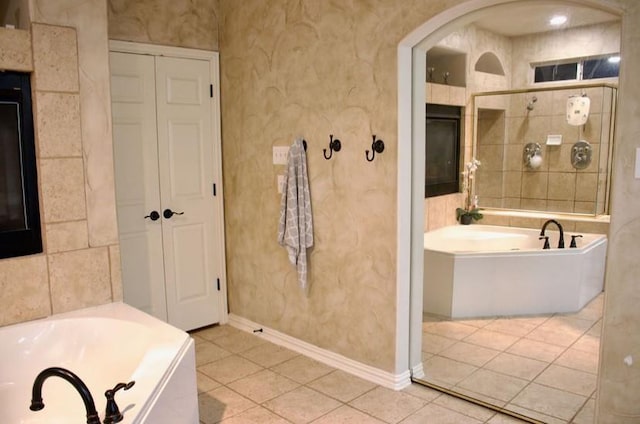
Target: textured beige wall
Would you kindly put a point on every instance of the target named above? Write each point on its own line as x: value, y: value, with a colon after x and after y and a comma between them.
x: 180, y: 23
x: 73, y: 272
x: 315, y: 68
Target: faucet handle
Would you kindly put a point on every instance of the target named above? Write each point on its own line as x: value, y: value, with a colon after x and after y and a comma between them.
x: 112, y: 413
x: 546, y: 242
x: 573, y: 240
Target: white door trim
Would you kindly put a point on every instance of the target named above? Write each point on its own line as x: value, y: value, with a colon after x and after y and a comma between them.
x: 213, y: 59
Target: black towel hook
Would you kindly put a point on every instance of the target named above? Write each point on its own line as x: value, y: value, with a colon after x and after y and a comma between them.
x: 334, y: 146
x: 376, y: 146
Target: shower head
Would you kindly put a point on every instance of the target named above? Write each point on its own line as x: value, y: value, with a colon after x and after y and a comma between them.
x: 531, y: 102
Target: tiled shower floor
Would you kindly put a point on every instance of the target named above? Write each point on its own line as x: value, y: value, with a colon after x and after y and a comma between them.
x: 244, y: 379
x: 540, y: 366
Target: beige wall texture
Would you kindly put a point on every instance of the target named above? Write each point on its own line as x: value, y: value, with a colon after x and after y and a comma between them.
x: 314, y: 68
x: 192, y: 24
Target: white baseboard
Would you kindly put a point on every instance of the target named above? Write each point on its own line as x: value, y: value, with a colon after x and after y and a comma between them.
x: 367, y: 372
x: 417, y: 371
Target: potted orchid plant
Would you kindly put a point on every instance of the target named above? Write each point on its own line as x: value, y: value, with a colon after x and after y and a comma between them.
x: 470, y: 211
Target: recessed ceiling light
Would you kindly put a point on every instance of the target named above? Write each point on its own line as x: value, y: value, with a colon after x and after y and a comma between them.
x: 614, y: 59
x: 558, y: 20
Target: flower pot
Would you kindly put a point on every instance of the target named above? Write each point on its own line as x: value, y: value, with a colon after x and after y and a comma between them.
x: 465, y: 219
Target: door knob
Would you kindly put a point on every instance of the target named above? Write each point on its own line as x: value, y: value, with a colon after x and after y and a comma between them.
x: 168, y: 213
x: 154, y: 215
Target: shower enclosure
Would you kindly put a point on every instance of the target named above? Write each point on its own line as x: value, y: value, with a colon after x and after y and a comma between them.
x: 534, y: 154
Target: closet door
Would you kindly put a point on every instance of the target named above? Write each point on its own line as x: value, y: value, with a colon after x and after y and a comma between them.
x: 133, y: 88
x: 186, y: 158
x: 164, y: 142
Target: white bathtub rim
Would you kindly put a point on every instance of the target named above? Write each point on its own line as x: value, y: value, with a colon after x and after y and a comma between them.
x: 150, y: 373
x: 588, y: 241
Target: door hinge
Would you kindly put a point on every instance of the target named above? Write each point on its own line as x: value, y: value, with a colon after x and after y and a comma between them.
x: 214, y: 189
x: 218, y: 283
x: 211, y: 90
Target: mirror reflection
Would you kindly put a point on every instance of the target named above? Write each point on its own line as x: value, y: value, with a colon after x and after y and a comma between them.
x: 545, y: 150
x: 519, y: 330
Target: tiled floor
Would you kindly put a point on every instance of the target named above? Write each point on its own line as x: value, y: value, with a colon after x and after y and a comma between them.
x: 543, y: 367
x: 244, y: 379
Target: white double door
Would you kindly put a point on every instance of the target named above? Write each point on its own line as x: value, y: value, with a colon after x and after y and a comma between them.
x: 163, y: 132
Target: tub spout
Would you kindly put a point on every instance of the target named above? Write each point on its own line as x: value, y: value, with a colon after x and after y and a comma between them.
x: 553, y: 221
x: 75, y: 381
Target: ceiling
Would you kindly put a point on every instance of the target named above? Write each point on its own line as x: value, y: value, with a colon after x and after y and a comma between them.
x: 520, y: 19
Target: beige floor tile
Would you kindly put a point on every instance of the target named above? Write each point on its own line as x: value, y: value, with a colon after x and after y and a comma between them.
x: 513, y: 327
x: 516, y: 366
x: 569, y: 323
x: 587, y: 414
x: 269, y: 354
x: 229, y: 369
x: 434, y: 344
x: 446, y: 372
x: 491, y: 339
x: 465, y: 408
x: 493, y: 384
x: 549, y: 401
x: 208, y: 352
x: 221, y: 403
x: 479, y: 397
x: 478, y: 323
x: 388, y: 405
x: 469, y: 353
x: 256, y: 415
x: 263, y: 385
x: 569, y: 380
x: 587, y: 343
x: 596, y: 330
x: 302, y: 369
x: 205, y: 383
x: 536, y: 350
x: 238, y: 342
x: 302, y: 405
x: 435, y: 414
x: 347, y: 415
x: 216, y: 331
x: 341, y: 385
x: 579, y: 360
x: 504, y: 419
x: 547, y: 419
x: 555, y: 336
x: 422, y: 392
x: 450, y: 329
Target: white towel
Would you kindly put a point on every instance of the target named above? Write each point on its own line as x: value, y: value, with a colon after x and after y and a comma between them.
x: 295, y: 230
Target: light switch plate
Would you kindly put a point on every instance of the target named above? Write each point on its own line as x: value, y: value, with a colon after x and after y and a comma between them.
x: 280, y: 155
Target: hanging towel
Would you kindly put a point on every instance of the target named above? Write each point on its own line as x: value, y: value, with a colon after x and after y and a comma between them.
x: 295, y: 230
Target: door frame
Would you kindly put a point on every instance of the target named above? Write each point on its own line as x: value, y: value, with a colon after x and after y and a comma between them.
x: 214, y: 61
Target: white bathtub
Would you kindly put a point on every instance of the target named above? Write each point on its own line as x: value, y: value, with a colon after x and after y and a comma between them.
x: 482, y: 270
x: 103, y: 345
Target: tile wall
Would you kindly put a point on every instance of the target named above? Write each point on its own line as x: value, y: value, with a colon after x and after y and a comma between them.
x: 80, y: 264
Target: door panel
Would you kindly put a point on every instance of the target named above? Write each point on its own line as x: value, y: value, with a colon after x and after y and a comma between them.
x: 185, y: 147
x: 136, y: 173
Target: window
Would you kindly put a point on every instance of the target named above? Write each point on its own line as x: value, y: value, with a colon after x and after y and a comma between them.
x: 19, y: 211
x: 442, y: 150
x: 578, y: 69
